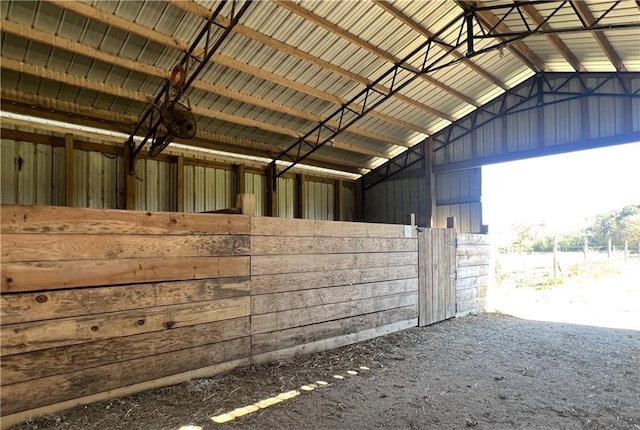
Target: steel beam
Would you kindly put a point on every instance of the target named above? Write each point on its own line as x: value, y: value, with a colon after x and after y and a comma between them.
x: 422, y: 61
x: 543, y: 89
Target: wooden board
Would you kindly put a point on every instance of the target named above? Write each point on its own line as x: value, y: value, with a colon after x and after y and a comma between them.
x: 261, y: 343
x: 50, y: 219
x: 266, y: 226
x: 24, y: 307
x: 203, y: 372
x: 63, y: 247
x: 283, y: 245
x: 298, y: 317
x: 265, y: 284
x: 25, y: 337
x: 473, y: 239
x: 334, y: 342
x: 274, y: 264
x: 474, y: 282
x: 51, y: 275
x: 266, y: 303
x: 65, y: 359
x: 32, y: 394
x: 472, y: 271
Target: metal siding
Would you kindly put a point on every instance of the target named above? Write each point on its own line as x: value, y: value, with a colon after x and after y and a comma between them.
x: 286, y: 197
x: 58, y: 166
x: 348, y: 202
x: 189, y: 187
x: 255, y: 184
x: 394, y: 200
x: 320, y: 200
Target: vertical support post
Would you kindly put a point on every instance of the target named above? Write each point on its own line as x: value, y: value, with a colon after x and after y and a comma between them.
x: 555, y: 257
x: 585, y: 248
x: 69, y: 184
x: 180, y: 184
x: 272, y: 195
x: 240, y: 182
x: 626, y: 250
x: 609, y: 248
x: 301, y: 196
x: 430, y: 179
x: 358, y: 194
x: 337, y: 200
x: 129, y: 179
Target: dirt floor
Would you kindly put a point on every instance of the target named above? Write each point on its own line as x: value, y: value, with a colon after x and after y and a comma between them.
x: 489, y: 371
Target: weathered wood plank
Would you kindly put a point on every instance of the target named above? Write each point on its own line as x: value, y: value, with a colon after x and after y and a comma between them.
x: 261, y: 304
x: 450, y: 250
x: 265, y: 284
x: 272, y: 341
x: 437, y: 271
x: 334, y: 342
x: 24, y: 307
x: 62, y: 247
x: 468, y: 294
x: 473, y: 282
x: 65, y: 359
x: 32, y: 394
x: 473, y: 239
x: 263, y: 226
x: 472, y: 271
x: 471, y: 305
x: 57, y: 219
x: 275, y: 264
x: 464, y: 249
x: 298, y: 317
x: 283, y: 245
x: 426, y: 316
x: 422, y: 277
x: 25, y: 337
x: 473, y: 260
x: 203, y: 372
x: 51, y: 275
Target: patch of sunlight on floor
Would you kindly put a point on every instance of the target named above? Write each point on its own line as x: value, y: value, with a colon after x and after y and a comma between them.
x: 611, y: 301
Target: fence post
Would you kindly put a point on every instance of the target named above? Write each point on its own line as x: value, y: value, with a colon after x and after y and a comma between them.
x: 555, y: 257
x: 585, y: 248
x: 626, y: 250
x: 609, y: 248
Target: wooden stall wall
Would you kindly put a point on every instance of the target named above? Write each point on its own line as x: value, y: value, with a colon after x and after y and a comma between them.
x: 317, y: 285
x: 102, y: 303
x: 475, y: 268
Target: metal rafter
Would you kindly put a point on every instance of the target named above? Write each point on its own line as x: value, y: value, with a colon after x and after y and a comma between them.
x: 586, y: 17
x: 212, y: 40
x: 544, y: 89
x: 493, y: 22
x: 414, y: 25
x: 194, y: 8
x: 332, y: 28
x: 554, y: 39
x: 470, y: 25
x: 200, y: 10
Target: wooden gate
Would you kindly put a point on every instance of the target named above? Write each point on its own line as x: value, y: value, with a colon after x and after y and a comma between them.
x: 437, y: 275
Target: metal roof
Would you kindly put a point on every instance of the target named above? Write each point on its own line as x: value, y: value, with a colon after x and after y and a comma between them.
x: 289, y: 65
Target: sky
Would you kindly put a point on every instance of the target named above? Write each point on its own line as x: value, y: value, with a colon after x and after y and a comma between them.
x: 563, y: 191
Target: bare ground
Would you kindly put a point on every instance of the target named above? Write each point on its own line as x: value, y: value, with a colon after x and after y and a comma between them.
x: 489, y: 371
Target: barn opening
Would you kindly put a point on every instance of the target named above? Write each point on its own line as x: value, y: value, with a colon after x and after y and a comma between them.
x: 565, y: 229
